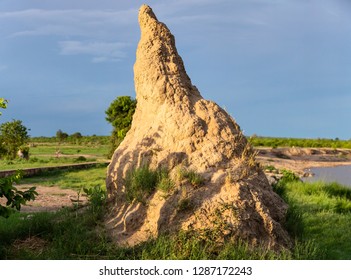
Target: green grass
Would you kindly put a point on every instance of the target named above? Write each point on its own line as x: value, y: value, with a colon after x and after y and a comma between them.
x: 142, y: 181
x: 194, y: 178
x: 44, y: 154
x: 325, y: 216
x: 73, y: 179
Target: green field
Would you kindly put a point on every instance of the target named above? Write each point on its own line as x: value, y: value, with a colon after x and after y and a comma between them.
x: 46, y: 154
x: 275, y: 142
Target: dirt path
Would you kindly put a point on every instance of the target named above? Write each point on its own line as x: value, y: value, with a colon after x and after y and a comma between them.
x: 49, y: 198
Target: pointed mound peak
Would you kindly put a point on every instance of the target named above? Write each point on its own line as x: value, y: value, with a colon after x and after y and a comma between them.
x: 159, y: 71
x: 146, y: 15
x: 145, y: 11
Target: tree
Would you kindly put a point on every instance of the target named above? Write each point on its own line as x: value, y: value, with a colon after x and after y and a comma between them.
x: 3, y: 104
x: 14, y: 198
x: 120, y: 115
x: 12, y: 136
x: 76, y: 137
x: 61, y: 136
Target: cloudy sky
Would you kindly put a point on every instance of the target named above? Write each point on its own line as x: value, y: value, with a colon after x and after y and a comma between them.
x: 279, y: 67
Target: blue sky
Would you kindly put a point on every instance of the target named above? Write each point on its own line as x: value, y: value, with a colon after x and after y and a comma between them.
x: 280, y: 68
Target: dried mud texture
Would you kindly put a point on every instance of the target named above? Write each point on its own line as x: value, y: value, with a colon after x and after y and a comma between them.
x: 175, y: 128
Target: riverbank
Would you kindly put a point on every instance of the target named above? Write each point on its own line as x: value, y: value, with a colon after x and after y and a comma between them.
x: 300, y: 160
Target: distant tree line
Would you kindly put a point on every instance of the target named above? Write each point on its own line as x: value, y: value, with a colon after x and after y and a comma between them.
x: 275, y: 142
x: 73, y: 139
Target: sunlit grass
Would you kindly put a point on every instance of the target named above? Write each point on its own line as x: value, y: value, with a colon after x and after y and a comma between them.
x: 44, y: 154
x: 325, y: 211
x: 74, y: 179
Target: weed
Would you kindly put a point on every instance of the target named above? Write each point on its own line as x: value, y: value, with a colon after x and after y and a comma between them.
x: 193, y: 178
x: 96, y: 196
x: 140, y: 182
x: 165, y: 184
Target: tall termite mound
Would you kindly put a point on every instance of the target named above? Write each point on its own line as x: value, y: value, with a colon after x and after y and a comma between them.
x: 175, y: 129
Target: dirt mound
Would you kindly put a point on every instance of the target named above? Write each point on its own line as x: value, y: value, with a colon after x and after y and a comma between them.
x: 174, y: 128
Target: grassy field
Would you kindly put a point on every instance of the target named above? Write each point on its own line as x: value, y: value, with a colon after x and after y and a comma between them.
x: 74, y: 179
x: 45, y: 154
x: 275, y: 142
x: 319, y: 219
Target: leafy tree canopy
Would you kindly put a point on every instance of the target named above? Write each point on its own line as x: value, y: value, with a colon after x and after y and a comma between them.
x: 13, y: 135
x: 14, y: 197
x: 120, y: 115
x: 61, y: 136
x: 3, y: 104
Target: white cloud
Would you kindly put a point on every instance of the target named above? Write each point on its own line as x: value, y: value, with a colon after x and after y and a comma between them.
x: 39, y: 22
x: 101, y: 51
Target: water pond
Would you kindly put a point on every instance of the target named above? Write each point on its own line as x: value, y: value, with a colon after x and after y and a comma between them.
x: 340, y: 174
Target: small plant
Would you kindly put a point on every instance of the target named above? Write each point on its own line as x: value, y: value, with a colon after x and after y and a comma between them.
x: 143, y: 181
x: 140, y: 182
x: 165, y: 183
x: 270, y: 168
x: 194, y: 178
x: 96, y: 196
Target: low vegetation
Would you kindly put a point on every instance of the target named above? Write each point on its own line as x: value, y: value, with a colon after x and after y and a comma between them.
x: 275, y: 142
x: 143, y: 181
x: 54, y: 154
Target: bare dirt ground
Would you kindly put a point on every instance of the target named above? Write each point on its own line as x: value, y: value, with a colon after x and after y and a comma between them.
x: 50, y: 199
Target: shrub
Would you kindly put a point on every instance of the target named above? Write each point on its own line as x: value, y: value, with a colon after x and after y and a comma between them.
x: 80, y: 159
